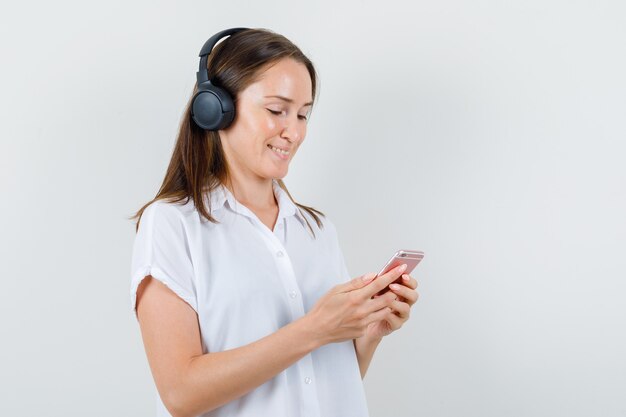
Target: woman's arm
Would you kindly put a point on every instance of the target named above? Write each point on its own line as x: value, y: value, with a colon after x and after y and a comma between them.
x: 191, y: 383
x: 365, y: 349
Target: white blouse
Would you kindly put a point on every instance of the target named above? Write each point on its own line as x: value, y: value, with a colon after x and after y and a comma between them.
x: 245, y: 282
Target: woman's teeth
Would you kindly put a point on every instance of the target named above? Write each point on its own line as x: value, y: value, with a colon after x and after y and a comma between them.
x: 280, y: 151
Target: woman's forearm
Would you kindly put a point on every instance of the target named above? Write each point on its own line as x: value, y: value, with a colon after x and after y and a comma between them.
x: 365, y: 349
x: 214, y: 379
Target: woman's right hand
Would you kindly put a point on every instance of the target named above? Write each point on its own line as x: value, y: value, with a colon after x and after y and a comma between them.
x: 344, y: 312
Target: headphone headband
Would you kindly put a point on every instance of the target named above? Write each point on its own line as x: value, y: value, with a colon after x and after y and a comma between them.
x: 203, y: 73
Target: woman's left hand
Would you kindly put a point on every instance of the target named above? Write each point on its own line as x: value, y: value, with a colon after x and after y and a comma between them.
x: 406, y: 296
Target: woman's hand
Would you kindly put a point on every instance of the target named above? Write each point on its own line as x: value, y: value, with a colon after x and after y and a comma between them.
x: 402, y: 297
x: 349, y: 310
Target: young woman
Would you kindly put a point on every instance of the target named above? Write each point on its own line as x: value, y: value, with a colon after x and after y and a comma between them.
x: 242, y: 295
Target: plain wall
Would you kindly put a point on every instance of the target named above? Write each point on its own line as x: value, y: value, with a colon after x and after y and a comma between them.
x: 489, y: 134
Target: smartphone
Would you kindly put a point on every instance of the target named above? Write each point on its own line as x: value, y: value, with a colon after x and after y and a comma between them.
x: 404, y: 256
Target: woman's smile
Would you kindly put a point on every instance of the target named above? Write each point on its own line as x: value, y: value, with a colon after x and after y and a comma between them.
x: 280, y: 153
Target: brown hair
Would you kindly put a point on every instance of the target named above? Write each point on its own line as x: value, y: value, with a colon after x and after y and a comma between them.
x: 198, y: 164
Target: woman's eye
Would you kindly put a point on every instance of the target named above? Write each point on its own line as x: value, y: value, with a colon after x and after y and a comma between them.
x: 284, y: 113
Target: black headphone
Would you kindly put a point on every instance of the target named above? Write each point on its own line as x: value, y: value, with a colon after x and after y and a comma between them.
x: 212, y: 107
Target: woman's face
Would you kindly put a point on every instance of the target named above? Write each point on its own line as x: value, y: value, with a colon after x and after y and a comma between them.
x: 270, y: 122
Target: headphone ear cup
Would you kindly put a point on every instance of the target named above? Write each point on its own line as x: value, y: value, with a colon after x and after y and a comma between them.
x: 212, y: 107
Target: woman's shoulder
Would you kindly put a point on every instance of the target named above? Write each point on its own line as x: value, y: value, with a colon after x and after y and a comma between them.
x: 167, y: 207
x: 168, y: 211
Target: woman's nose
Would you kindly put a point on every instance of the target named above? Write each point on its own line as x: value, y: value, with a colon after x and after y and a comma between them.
x: 292, y: 131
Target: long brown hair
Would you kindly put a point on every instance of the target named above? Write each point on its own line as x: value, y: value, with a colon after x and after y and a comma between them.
x: 198, y: 164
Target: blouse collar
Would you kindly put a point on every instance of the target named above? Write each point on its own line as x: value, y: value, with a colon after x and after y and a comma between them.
x: 221, y: 197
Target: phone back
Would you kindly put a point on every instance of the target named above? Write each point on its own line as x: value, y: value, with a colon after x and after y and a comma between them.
x: 409, y: 257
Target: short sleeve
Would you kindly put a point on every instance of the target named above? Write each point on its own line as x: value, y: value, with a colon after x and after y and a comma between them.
x: 162, y: 250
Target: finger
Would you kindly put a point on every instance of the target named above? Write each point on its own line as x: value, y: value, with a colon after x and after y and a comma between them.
x: 409, y: 281
x: 402, y: 309
x: 356, y: 283
x: 394, y: 321
x: 379, y: 315
x: 379, y: 302
x: 411, y: 296
x: 383, y: 281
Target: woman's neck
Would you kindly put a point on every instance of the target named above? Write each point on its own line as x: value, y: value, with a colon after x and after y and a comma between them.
x: 252, y: 193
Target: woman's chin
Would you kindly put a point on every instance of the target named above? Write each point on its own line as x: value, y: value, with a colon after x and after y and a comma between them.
x: 278, y: 172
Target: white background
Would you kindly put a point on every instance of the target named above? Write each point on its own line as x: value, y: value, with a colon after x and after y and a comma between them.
x: 489, y: 134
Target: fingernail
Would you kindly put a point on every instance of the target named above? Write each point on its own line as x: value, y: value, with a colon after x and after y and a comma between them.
x: 394, y: 286
x: 402, y: 268
x: 406, y: 277
x: 368, y: 277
